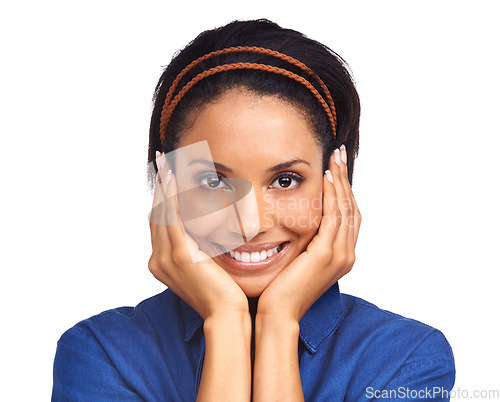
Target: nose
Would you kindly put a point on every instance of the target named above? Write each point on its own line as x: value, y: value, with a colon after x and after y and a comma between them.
x: 253, y: 215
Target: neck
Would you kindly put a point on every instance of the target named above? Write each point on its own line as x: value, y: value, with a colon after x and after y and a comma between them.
x: 252, y: 306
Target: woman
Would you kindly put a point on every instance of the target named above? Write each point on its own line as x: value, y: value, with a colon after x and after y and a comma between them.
x: 253, y: 137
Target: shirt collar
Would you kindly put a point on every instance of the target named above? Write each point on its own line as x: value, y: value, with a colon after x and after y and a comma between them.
x: 192, y: 320
x: 317, y: 324
x: 322, y: 319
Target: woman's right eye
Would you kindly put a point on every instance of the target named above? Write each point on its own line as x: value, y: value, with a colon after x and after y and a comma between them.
x: 213, y: 182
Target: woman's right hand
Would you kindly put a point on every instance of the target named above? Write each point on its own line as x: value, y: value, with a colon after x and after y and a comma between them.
x: 204, y: 285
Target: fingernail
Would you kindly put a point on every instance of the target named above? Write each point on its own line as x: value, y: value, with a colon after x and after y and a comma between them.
x: 329, y: 176
x: 343, y: 153
x: 336, y: 155
x: 169, y: 175
x: 160, y: 160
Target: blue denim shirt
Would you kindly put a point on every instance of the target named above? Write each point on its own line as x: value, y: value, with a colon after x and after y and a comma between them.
x: 349, y: 350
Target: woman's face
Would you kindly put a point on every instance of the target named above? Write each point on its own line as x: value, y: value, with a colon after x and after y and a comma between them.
x: 268, y: 165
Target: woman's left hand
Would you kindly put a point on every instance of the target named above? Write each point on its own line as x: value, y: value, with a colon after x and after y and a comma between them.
x: 329, y: 256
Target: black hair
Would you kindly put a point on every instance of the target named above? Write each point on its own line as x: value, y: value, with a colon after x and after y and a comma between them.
x: 329, y: 66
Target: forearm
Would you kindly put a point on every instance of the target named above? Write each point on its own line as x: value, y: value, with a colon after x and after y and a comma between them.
x: 276, y: 371
x: 226, y: 374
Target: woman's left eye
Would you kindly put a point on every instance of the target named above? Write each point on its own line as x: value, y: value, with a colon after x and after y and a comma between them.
x: 287, y: 181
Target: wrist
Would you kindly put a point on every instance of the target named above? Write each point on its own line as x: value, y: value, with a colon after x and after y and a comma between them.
x: 276, y: 312
x: 228, y: 324
x: 276, y: 323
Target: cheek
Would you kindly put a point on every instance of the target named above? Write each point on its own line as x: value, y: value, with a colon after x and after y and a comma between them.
x: 300, y: 213
x: 202, y: 211
x: 206, y: 221
x: 201, y: 221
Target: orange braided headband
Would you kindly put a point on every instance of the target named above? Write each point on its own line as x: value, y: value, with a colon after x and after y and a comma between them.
x: 169, y: 105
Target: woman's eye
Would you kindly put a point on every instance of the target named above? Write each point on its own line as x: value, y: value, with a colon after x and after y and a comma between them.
x: 213, y: 182
x: 287, y: 181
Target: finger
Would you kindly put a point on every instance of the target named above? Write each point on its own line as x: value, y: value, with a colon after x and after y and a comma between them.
x: 350, y: 202
x: 155, y: 213
x: 355, y: 217
x: 344, y: 203
x: 184, y: 247
x: 159, y: 217
x: 331, y: 217
x: 356, y: 221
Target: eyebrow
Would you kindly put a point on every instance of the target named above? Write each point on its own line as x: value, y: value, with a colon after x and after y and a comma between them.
x: 286, y: 165
x: 224, y: 168
x: 218, y: 166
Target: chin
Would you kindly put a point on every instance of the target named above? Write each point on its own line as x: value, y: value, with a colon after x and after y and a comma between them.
x: 252, y: 291
x: 253, y: 286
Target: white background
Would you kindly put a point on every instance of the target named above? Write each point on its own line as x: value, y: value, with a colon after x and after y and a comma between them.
x: 76, y: 85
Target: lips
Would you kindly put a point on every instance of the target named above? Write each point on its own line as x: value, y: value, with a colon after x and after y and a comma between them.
x: 250, y: 258
x: 250, y: 248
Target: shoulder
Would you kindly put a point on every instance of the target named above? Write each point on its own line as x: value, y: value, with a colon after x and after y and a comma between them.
x: 381, y: 325
x: 148, y: 314
x: 112, y: 355
x: 115, y: 330
x: 412, y: 354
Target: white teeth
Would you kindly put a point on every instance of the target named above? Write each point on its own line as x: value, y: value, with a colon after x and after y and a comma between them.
x: 254, y: 256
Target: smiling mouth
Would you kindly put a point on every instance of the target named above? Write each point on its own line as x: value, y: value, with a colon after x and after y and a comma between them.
x: 254, y: 256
